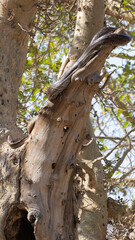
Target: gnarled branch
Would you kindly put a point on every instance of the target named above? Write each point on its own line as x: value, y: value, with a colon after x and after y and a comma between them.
x: 92, y: 60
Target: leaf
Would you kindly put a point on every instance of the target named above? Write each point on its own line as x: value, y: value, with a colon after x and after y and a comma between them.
x: 125, y: 124
x: 119, y: 111
x: 37, y: 90
x: 117, y: 9
x: 122, y: 96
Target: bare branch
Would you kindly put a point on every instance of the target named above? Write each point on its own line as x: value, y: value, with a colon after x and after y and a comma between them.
x: 103, y: 157
x: 121, y: 159
x: 107, y: 80
x: 127, y: 173
x: 115, y: 181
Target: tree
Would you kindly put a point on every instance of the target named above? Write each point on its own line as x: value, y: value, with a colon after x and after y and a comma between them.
x: 27, y: 191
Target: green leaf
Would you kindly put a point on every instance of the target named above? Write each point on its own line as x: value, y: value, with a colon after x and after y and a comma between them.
x: 125, y: 124
x: 117, y: 9
x: 122, y: 96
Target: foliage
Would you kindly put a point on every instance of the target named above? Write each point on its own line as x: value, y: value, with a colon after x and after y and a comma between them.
x: 48, y: 44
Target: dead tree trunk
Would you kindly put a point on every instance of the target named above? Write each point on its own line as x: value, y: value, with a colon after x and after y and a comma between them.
x: 48, y: 157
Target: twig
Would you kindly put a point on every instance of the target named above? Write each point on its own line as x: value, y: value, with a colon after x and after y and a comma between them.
x: 107, y: 80
x: 103, y: 157
x: 121, y: 159
x: 127, y: 173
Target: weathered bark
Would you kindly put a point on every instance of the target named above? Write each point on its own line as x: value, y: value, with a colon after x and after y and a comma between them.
x: 53, y: 146
x: 36, y: 178
x: 16, y: 18
x: 94, y: 206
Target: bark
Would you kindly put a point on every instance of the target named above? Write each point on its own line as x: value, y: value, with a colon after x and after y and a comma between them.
x: 16, y: 20
x: 59, y: 130
x: 89, y: 21
x: 36, y: 178
x: 94, y: 206
x: 15, y: 23
x: 116, y: 210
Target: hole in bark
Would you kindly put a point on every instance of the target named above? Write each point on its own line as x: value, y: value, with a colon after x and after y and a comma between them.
x: 26, y: 230
x: 17, y: 226
x: 15, y: 160
x: 53, y: 165
x: 65, y: 128
x: 2, y: 102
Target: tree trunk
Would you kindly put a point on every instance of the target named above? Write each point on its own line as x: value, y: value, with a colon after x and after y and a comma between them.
x: 37, y: 197
x: 94, y: 204
x: 89, y: 22
x: 53, y: 145
x: 15, y: 24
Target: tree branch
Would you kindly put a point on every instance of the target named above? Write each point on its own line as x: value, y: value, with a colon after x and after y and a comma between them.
x: 91, y: 61
x: 103, y: 157
x: 116, y: 9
